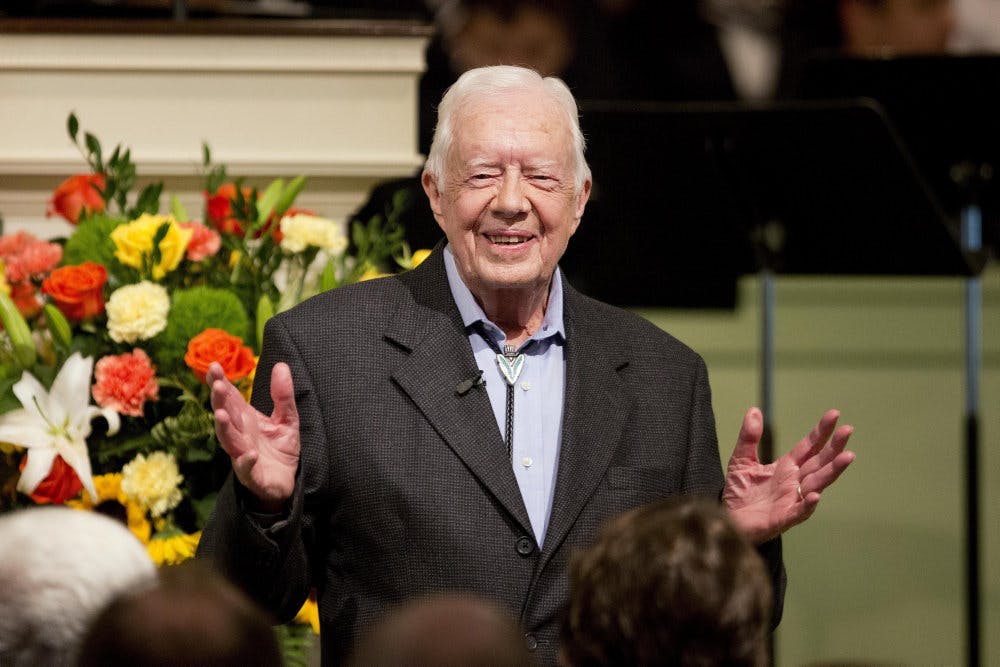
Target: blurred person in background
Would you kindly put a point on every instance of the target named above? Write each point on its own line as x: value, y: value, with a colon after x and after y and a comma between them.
x: 448, y: 630
x: 671, y: 583
x: 193, y: 617
x: 59, y: 567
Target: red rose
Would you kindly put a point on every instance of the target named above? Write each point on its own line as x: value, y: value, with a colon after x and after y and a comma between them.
x: 219, y: 208
x: 217, y: 345
x: 77, y: 290
x: 77, y: 196
x: 60, y: 485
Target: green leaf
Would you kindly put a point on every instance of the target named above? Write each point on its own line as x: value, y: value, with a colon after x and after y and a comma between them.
x: 328, y: 278
x: 8, y: 401
x: 62, y: 334
x: 206, y: 155
x: 148, y: 201
x: 265, y: 311
x: 268, y: 200
x: 94, y: 147
x: 177, y: 209
x: 17, y: 328
x: 288, y: 195
x: 72, y: 126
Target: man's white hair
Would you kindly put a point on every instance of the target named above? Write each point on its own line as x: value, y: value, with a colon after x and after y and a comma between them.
x: 484, y: 83
x: 59, y: 567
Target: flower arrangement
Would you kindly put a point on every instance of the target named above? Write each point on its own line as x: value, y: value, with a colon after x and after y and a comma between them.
x: 108, y: 333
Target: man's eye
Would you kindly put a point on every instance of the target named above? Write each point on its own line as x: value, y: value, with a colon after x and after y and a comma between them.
x: 482, y: 177
x: 541, y: 177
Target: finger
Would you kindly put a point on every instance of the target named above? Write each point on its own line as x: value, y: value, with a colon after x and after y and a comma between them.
x: 214, y: 373
x: 242, y: 466
x: 813, y: 443
x: 283, y: 395
x: 837, y: 444
x: 828, y: 474
x: 750, y: 434
x: 230, y: 438
x: 802, y: 510
x: 226, y: 398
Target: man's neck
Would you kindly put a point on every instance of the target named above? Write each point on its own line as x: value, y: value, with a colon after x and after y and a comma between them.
x: 518, y: 312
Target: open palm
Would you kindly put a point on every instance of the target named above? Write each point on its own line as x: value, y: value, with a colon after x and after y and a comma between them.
x: 767, y: 499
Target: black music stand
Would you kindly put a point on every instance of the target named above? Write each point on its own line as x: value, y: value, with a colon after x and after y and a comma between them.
x: 793, y: 188
x: 947, y: 109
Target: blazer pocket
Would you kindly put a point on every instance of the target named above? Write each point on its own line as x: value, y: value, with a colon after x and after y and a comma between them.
x: 656, y: 482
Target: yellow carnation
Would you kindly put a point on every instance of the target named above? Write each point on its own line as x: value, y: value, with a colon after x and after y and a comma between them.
x: 303, y: 230
x: 137, y: 312
x: 153, y: 482
x: 134, y: 241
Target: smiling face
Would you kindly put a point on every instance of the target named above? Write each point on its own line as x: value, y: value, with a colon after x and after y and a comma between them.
x: 507, y: 201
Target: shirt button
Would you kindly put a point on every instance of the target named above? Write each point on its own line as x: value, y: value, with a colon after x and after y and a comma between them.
x: 526, y: 385
x: 531, y: 641
x: 525, y: 546
x: 526, y: 461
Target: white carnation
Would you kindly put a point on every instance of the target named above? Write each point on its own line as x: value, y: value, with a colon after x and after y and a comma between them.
x: 137, y: 312
x: 303, y: 230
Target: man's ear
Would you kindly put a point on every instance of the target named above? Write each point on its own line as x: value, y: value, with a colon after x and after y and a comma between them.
x: 430, y: 184
x: 582, y: 198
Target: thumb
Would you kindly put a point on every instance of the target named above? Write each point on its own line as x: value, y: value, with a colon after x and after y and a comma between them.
x: 750, y: 434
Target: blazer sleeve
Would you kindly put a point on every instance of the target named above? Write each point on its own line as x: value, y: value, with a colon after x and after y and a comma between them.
x: 268, y: 559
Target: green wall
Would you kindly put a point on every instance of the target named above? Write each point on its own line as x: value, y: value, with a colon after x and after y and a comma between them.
x: 877, y: 574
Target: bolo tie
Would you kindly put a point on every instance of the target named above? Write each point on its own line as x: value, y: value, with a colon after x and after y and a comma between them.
x: 511, y: 364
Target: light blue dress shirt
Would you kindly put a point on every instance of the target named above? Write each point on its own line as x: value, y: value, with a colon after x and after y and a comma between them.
x: 538, y: 392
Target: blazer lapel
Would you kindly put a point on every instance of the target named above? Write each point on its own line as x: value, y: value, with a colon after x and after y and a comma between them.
x: 440, y: 358
x: 593, y: 418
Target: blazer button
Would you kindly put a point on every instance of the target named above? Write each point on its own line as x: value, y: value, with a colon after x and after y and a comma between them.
x: 525, y: 546
x: 530, y: 641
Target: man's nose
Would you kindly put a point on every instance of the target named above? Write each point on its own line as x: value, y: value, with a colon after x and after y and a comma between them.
x: 510, y: 199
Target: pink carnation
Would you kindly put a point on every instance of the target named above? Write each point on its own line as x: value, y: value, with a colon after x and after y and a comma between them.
x: 34, y: 260
x: 13, y: 244
x: 125, y: 382
x: 204, y: 242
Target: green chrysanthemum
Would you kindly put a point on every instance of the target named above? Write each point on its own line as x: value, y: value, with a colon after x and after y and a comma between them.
x: 91, y: 242
x: 193, y: 310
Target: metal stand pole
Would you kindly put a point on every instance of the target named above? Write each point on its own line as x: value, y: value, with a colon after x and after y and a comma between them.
x: 972, y: 239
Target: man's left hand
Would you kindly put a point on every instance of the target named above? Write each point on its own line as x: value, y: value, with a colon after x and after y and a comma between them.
x: 766, y: 500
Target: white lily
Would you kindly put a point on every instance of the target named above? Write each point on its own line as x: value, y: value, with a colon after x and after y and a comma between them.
x: 55, y: 422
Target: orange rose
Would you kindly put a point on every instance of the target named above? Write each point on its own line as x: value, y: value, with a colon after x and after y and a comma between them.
x: 60, y: 485
x: 217, y: 345
x: 78, y: 290
x: 77, y: 196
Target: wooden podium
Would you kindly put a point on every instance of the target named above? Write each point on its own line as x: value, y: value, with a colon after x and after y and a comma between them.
x: 333, y: 99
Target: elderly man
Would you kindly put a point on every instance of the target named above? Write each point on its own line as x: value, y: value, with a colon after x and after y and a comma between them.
x: 466, y: 425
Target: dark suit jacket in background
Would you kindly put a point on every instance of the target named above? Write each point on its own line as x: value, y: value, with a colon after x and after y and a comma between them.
x: 405, y: 487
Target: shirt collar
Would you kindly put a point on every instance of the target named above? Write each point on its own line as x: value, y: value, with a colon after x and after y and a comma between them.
x: 472, y: 312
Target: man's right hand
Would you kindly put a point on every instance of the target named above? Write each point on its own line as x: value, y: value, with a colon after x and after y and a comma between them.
x: 264, y: 449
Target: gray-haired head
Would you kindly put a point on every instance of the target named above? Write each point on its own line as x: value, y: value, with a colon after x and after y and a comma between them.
x: 59, y: 567
x: 485, y: 83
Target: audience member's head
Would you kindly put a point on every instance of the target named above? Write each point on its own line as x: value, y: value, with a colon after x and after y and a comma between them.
x: 194, y: 617
x: 59, y: 567
x: 896, y: 27
x: 672, y: 583
x: 444, y: 631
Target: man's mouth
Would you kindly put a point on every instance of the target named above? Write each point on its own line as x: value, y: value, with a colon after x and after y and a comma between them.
x: 506, y: 239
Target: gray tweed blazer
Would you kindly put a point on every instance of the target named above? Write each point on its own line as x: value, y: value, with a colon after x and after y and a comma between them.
x: 404, y: 486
